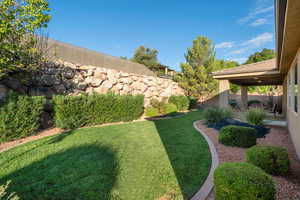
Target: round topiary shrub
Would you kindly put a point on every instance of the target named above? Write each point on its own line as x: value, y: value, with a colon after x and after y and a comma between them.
x: 170, y: 108
x: 238, y: 136
x: 234, y: 181
x: 151, y: 112
x: 273, y: 160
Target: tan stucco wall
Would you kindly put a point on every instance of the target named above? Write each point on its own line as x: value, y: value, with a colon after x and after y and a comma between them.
x: 294, y: 118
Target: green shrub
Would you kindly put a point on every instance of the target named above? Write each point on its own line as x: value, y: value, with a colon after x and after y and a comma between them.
x: 20, y: 116
x: 193, y: 102
x: 170, y: 108
x: 182, y: 102
x: 273, y: 160
x: 215, y: 114
x: 238, y: 136
x: 235, y: 181
x: 76, y: 111
x: 256, y: 116
x: 151, y: 112
x: 159, y: 105
x: 233, y: 103
x: 254, y: 103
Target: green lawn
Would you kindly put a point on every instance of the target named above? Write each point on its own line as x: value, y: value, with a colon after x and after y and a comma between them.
x: 140, y: 160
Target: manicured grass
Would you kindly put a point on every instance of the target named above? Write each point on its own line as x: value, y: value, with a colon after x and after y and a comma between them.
x: 140, y: 160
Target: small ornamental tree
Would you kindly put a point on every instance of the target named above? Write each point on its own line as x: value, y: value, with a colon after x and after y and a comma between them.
x: 19, y: 22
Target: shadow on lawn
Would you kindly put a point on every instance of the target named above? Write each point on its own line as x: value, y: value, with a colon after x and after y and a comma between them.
x: 187, y: 151
x: 71, y: 174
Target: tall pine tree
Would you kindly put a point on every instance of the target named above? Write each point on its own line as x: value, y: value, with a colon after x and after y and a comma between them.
x: 196, y: 76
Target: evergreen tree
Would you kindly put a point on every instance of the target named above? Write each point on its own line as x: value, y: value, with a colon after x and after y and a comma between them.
x: 196, y: 76
x: 146, y: 56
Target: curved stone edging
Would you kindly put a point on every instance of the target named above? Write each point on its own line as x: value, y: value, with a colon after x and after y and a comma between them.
x: 206, y: 188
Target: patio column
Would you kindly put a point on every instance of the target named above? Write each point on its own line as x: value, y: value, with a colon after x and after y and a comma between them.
x: 284, y: 97
x: 224, y: 88
x: 244, y: 95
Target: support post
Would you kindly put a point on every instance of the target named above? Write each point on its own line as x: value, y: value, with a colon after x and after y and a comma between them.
x: 284, y: 97
x: 244, y: 97
x: 224, y: 88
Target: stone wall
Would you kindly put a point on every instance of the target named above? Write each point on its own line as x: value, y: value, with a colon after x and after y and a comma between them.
x: 71, y: 79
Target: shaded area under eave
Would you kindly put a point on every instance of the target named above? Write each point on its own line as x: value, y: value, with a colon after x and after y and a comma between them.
x: 260, y: 73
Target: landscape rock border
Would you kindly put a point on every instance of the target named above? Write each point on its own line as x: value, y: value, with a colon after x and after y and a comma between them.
x: 207, y: 187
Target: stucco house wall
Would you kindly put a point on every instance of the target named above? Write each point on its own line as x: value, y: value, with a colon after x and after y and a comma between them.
x: 293, y: 118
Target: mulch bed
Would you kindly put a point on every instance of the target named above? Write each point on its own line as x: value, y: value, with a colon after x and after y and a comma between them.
x: 288, y: 187
x: 261, y: 130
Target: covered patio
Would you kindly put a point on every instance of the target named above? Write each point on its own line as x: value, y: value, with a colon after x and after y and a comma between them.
x: 263, y: 73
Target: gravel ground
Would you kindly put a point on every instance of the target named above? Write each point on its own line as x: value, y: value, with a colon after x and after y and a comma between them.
x: 288, y: 187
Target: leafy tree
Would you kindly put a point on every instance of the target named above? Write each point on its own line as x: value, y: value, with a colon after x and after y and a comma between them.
x: 196, y: 76
x: 19, y: 22
x: 146, y: 56
x: 265, y: 54
x: 224, y: 64
x: 123, y: 57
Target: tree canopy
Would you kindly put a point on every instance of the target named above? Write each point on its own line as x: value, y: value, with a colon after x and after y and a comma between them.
x: 19, y: 22
x: 265, y: 54
x: 196, y: 76
x: 146, y: 56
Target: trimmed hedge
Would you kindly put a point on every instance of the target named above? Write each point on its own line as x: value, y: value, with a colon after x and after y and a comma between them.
x: 273, y: 160
x: 238, y: 136
x: 151, y: 112
x: 182, y: 102
x: 235, y: 181
x: 214, y: 114
x: 76, y: 111
x: 20, y: 116
x: 170, y: 108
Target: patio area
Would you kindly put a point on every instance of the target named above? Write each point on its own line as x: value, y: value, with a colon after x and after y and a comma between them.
x: 287, y: 187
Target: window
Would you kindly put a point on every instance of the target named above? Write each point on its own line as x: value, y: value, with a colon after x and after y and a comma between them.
x: 293, y: 88
x: 296, y: 88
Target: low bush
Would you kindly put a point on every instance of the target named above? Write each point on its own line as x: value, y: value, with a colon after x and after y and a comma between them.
x: 170, y: 108
x: 273, y: 160
x: 233, y: 103
x: 214, y: 114
x: 20, y: 116
x: 193, y: 102
x: 238, y: 136
x: 182, y: 102
x: 151, y: 112
x: 255, y: 103
x: 234, y: 181
x: 159, y: 105
x: 76, y: 111
x: 255, y: 116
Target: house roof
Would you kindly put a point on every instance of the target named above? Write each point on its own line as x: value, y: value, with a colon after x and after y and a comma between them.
x: 260, y: 73
x: 83, y: 56
x: 264, y: 66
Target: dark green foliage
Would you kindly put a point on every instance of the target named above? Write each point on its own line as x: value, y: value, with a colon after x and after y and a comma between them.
x: 20, y: 116
x: 215, y: 114
x: 256, y: 116
x: 193, y: 102
x: 265, y: 54
x: 273, y: 160
x: 182, y: 102
x: 238, y: 136
x: 233, y: 103
x: 237, y: 181
x: 254, y: 102
x: 77, y: 111
x: 151, y: 112
x: 170, y: 108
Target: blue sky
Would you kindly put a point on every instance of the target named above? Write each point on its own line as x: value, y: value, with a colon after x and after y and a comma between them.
x: 116, y: 27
